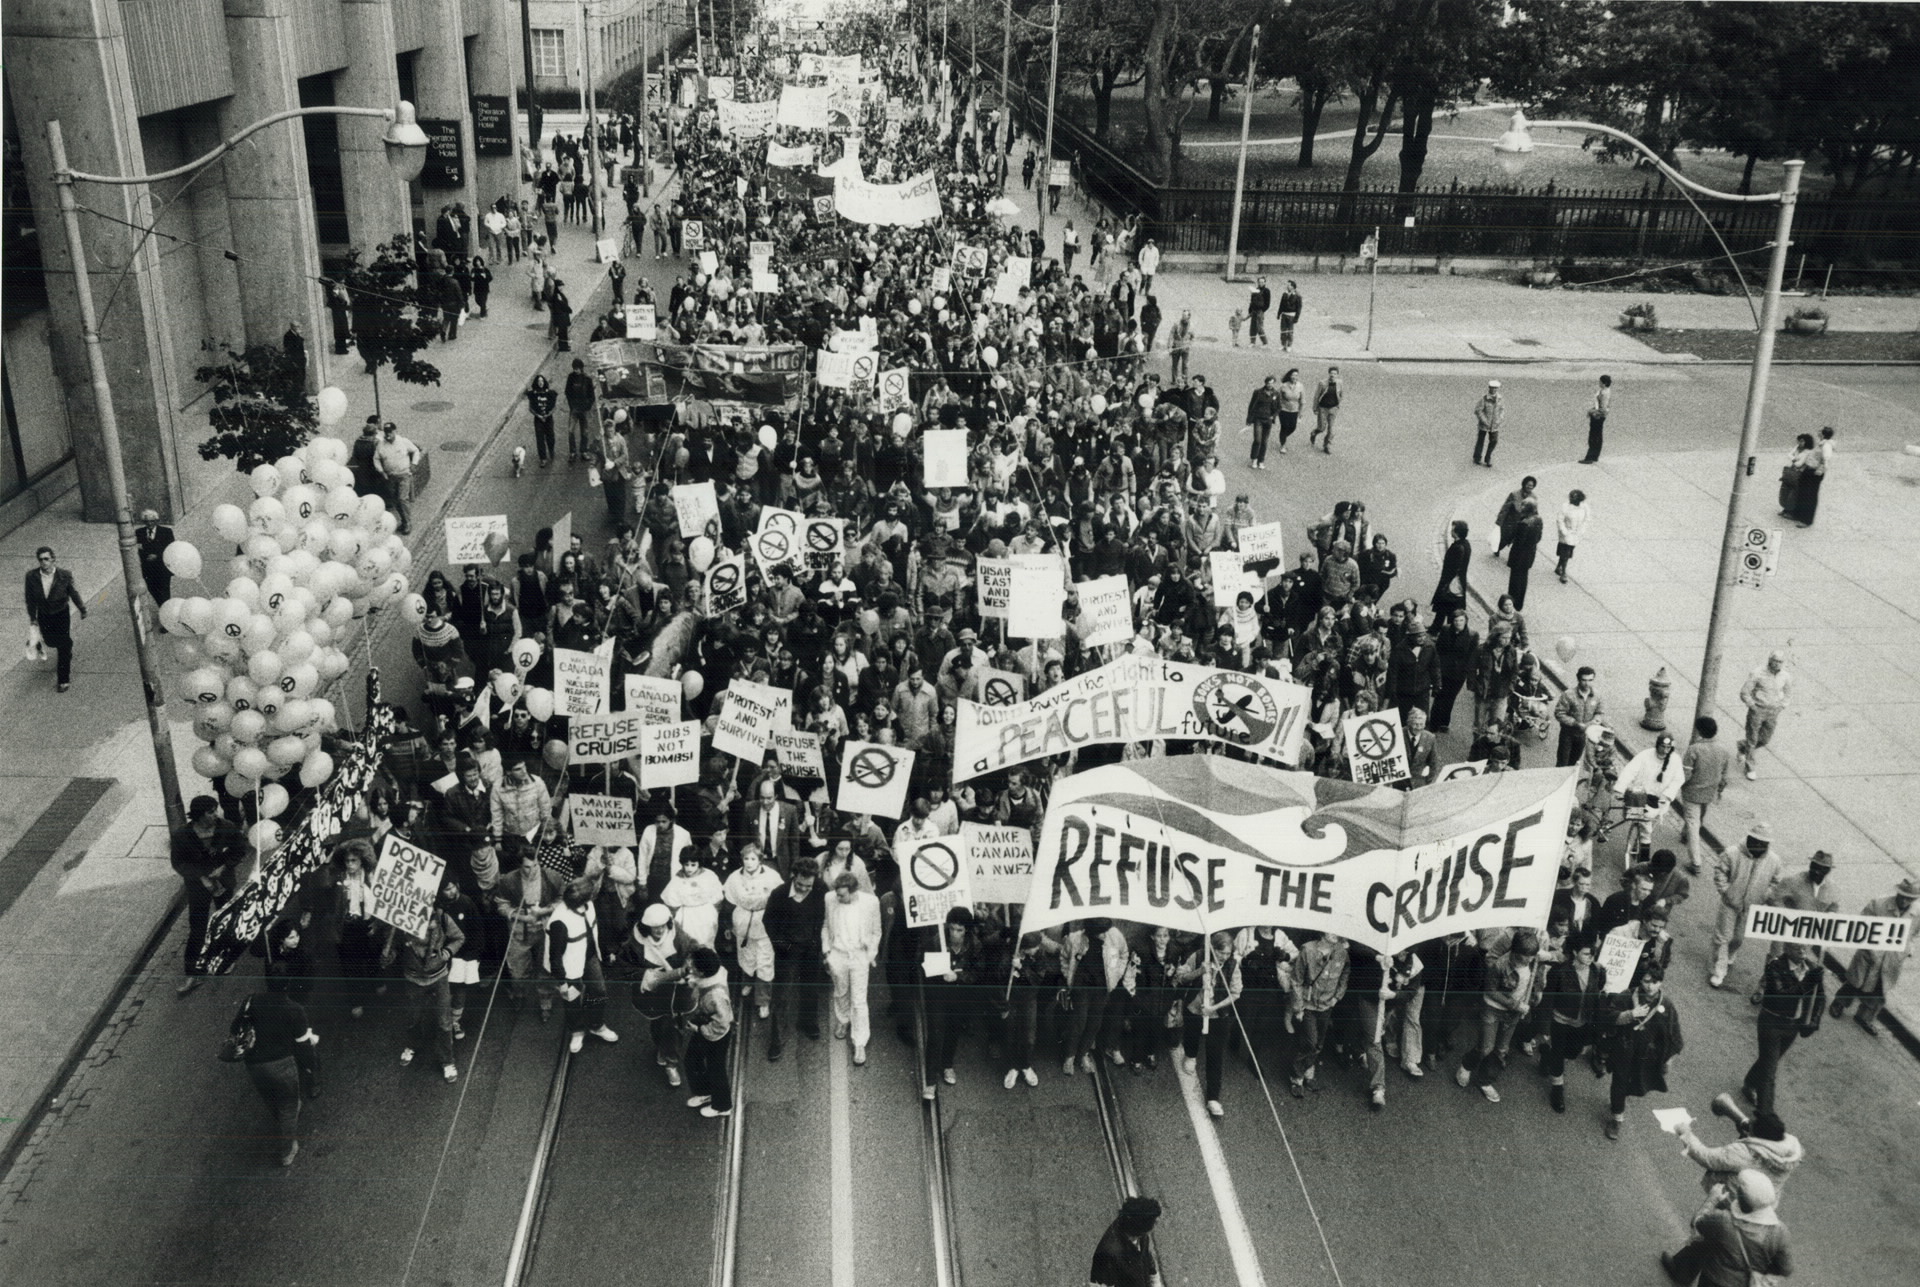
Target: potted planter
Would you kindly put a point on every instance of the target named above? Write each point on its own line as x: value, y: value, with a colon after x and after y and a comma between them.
x: 1542, y: 277
x: 1808, y: 321
x: 1639, y: 317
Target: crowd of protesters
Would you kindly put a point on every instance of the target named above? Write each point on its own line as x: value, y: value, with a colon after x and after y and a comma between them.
x: 752, y: 887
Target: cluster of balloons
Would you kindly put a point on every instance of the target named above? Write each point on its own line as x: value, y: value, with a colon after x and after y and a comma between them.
x: 314, y: 556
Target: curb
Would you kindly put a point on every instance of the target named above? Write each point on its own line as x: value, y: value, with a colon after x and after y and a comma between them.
x: 1894, y: 1024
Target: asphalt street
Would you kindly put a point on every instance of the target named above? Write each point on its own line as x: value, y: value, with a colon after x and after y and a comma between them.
x: 406, y: 1180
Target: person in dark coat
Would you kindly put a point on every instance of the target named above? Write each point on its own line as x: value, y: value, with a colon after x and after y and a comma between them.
x: 1451, y: 592
x: 560, y: 313
x: 280, y: 1061
x: 205, y: 856
x: 1527, y: 532
x: 794, y: 915
x: 1455, y: 644
x: 1645, y: 1038
x: 152, y: 541
x: 49, y: 593
x: 1124, y: 1257
x: 1792, y: 997
x: 366, y: 476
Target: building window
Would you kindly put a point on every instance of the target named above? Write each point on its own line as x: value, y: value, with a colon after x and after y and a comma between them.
x: 549, y: 53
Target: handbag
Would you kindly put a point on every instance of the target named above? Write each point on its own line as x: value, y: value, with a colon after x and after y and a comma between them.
x: 241, y: 1037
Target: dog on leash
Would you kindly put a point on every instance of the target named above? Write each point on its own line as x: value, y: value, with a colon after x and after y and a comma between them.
x: 519, y: 460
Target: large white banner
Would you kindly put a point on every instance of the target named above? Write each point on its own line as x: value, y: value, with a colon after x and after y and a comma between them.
x: 746, y: 120
x: 1201, y: 842
x: 790, y: 158
x: 804, y: 107
x: 1134, y: 699
x: 907, y: 204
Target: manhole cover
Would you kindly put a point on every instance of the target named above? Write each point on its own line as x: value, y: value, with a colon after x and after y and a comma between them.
x: 1532, y: 344
x: 432, y: 405
x: 459, y: 444
x: 1344, y: 328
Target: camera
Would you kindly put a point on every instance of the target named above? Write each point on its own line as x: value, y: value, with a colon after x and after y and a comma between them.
x: 1724, y: 1105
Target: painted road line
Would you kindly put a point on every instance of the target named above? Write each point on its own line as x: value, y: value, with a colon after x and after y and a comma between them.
x: 840, y: 1174
x: 1246, y: 1264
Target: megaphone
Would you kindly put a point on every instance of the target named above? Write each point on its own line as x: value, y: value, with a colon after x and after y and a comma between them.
x: 1725, y: 1105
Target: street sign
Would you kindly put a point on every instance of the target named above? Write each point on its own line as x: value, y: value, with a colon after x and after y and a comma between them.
x: 1759, y: 555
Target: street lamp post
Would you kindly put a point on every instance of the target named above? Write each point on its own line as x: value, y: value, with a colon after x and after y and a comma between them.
x: 1053, y: 82
x: 406, y: 146
x: 1240, y: 170
x: 1512, y: 151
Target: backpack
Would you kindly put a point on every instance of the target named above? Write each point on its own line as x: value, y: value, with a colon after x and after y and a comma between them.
x: 241, y: 1036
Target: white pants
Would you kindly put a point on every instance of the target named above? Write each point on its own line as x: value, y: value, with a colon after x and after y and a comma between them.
x: 756, y: 949
x: 850, y: 993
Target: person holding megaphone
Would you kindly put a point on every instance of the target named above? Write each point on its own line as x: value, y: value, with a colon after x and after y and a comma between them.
x: 1763, y: 1145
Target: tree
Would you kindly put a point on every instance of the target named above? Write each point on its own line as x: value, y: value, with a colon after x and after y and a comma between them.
x: 261, y: 411
x: 386, y: 306
x: 1306, y: 45
x: 1178, y: 36
x: 1101, y: 44
x: 1439, y: 63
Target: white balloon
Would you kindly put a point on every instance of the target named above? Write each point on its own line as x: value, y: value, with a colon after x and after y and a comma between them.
x: 1099, y: 405
x: 539, y: 704
x: 231, y: 615
x: 390, y: 589
x: 315, y: 769
x: 205, y: 685
x: 250, y: 762
x: 333, y: 664
x: 403, y: 559
x: 344, y: 544
x: 369, y: 510
x: 388, y: 523
x: 182, y: 559
x: 230, y: 521
x: 342, y: 504
x: 286, y: 750
x: 244, y: 590
x: 700, y: 553
x: 300, y: 681
x: 273, y: 801
x: 414, y: 608
x: 292, y: 615
x: 296, y: 646
x: 264, y: 835
x: 300, y: 501
x: 338, y: 613
x: 186, y: 653
x: 265, y: 480
x: 196, y: 614
x: 506, y: 688
x: 286, y: 537
x: 266, y: 513
x: 990, y: 355
x: 217, y: 716
x: 225, y: 745
x: 316, y: 536
x: 268, y: 699
x: 209, y: 763
x: 264, y: 667
x: 525, y: 652
x: 324, y: 714
x: 260, y: 547
x: 290, y: 717
x: 221, y: 646
x: 170, y: 616
x: 259, y: 633
x: 272, y: 593
x: 332, y: 404
x: 320, y: 631
x: 292, y: 470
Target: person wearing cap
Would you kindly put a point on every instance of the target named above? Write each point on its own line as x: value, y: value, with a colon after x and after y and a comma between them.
x: 1488, y: 414
x: 1742, y: 876
x: 1124, y: 1256
x: 1736, y: 1238
x: 1806, y: 892
x: 654, y: 960
x: 394, y: 460
x: 1765, y: 694
x: 1792, y: 997
x: 1872, y: 975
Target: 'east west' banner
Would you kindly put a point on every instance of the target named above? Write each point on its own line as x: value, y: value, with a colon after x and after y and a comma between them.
x: 913, y: 202
x: 1201, y: 843
x: 1134, y: 699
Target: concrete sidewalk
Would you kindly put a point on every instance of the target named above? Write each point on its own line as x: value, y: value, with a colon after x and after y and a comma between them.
x: 1843, y: 771
x: 84, y: 877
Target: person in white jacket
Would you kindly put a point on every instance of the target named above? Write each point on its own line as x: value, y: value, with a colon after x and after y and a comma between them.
x: 747, y: 890
x: 850, y: 938
x: 1648, y: 786
x: 694, y: 894
x: 1568, y: 529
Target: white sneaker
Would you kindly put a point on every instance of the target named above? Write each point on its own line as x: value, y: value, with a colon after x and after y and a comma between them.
x: 1188, y: 1062
x: 708, y: 1110
x: 1031, y: 1077
x: 1013, y: 1076
x: 765, y: 1010
x: 577, y: 1042
x: 1068, y: 1067
x: 451, y: 1072
x: 1412, y: 1070
x: 1717, y: 978
x: 1752, y: 776
x: 1215, y: 1108
x: 1493, y: 1096
x: 606, y: 1034
x: 1461, y: 1077
x: 699, y: 1101
x: 1117, y: 1059
x: 673, y: 1075
x: 859, y: 1055
x: 947, y: 1075
x: 406, y: 1057
x: 1086, y: 1063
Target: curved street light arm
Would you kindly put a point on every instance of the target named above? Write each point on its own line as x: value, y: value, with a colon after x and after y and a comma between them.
x: 81, y: 176
x: 1593, y: 127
